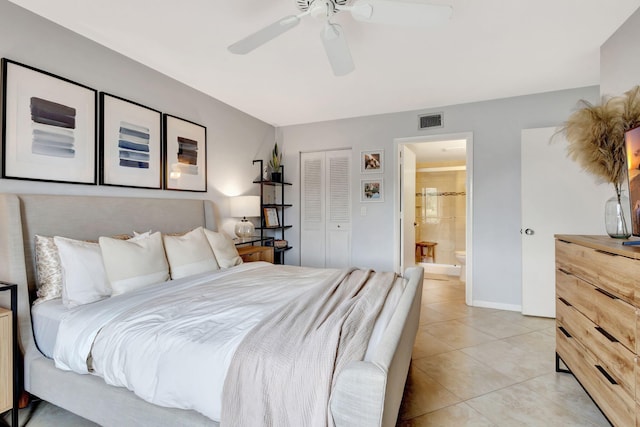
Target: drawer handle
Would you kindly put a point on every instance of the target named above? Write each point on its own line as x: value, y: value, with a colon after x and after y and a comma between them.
x: 606, y: 375
x: 609, y: 294
x: 568, y: 273
x: 564, y: 241
x: 606, y: 334
x: 605, y: 252
x: 564, y: 331
x: 565, y: 302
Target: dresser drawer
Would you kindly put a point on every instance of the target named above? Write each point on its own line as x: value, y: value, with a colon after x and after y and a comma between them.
x: 614, y: 315
x: 6, y: 361
x: 611, y: 355
x: 612, y: 273
x: 614, y: 401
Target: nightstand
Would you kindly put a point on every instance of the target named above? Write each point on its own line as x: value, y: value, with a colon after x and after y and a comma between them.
x: 9, y: 392
x: 256, y: 253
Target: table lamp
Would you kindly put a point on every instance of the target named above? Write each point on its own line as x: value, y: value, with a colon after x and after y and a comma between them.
x: 243, y: 207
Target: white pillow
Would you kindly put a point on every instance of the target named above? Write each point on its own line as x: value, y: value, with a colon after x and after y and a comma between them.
x: 223, y: 248
x: 134, y: 263
x: 189, y: 254
x: 84, y: 279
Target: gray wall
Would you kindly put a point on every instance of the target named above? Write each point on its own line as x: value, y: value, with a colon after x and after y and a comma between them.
x: 234, y: 138
x: 496, y: 127
x: 620, y: 58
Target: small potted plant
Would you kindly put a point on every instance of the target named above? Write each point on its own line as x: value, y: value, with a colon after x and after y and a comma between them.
x: 274, y: 163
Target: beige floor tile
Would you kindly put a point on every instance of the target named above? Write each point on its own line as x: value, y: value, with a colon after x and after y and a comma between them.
x: 457, y: 310
x: 530, y: 322
x: 422, y: 394
x: 462, y: 375
x: 564, y: 388
x: 519, y: 406
x: 428, y: 315
x: 536, y: 341
x: 457, y: 334
x: 494, y: 325
x: 513, y: 361
x: 459, y: 415
x: 428, y: 345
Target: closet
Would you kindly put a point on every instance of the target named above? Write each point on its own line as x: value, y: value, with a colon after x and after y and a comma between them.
x: 325, y: 209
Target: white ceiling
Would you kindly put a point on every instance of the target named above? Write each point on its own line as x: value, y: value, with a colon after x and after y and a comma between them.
x: 490, y: 49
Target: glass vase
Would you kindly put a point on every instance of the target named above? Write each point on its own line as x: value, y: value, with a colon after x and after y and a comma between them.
x: 617, y: 217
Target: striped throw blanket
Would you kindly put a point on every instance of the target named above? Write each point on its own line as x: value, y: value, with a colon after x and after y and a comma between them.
x: 283, y: 372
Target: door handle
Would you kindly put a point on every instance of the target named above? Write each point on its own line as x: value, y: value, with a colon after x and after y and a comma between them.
x: 529, y: 232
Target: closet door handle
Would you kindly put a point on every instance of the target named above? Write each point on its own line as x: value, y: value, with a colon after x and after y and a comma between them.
x: 606, y: 375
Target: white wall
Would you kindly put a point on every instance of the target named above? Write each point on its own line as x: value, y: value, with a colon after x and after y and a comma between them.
x: 496, y: 127
x: 234, y: 139
x: 620, y: 58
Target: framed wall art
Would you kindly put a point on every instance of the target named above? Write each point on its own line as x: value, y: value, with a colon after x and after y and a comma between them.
x: 130, y: 143
x: 372, y: 190
x: 49, y: 126
x: 271, y: 217
x: 185, y: 154
x: 372, y: 161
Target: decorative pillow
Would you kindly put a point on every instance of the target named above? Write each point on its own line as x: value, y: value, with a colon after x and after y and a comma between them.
x: 83, y: 277
x: 189, y: 254
x: 223, y: 248
x: 48, y: 269
x: 134, y: 263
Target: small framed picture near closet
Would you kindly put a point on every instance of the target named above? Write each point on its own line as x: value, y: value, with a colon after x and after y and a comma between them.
x: 372, y: 161
x: 372, y: 190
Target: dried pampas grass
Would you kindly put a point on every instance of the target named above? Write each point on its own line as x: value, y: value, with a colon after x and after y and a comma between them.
x: 596, y: 135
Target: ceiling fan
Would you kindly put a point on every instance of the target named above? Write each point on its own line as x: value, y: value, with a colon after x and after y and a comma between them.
x: 412, y: 13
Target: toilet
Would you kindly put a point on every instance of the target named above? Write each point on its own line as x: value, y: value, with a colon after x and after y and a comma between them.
x: 461, y: 256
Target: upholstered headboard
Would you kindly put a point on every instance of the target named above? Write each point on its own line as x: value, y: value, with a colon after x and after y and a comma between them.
x: 80, y: 217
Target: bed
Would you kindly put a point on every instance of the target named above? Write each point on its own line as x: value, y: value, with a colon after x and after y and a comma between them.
x: 365, y: 392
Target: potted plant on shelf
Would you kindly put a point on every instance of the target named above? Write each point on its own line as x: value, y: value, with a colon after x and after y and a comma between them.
x: 275, y: 163
x: 596, y: 141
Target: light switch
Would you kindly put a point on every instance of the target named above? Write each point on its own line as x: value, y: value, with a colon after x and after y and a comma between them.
x: 363, y: 211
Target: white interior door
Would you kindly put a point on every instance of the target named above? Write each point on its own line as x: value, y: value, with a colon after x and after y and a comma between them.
x: 557, y: 198
x: 338, y: 228
x: 407, y: 207
x: 312, y: 209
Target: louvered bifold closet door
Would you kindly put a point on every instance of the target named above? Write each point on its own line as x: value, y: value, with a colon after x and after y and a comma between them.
x: 325, y: 235
x: 312, y: 209
x: 338, y: 227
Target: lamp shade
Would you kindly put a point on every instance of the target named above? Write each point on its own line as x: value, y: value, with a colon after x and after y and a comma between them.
x: 245, y: 206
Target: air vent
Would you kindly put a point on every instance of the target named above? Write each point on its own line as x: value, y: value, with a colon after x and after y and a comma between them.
x: 431, y: 121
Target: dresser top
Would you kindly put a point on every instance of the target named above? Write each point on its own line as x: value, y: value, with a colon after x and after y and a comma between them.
x: 602, y: 243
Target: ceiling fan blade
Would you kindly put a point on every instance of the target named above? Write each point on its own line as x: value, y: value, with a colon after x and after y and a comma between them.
x: 335, y: 44
x: 400, y: 12
x: 264, y: 35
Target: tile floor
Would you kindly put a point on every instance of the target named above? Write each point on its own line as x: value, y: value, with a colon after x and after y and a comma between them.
x: 483, y: 367
x: 471, y: 367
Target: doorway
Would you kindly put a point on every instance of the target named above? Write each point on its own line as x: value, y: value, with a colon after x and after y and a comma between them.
x: 426, y: 213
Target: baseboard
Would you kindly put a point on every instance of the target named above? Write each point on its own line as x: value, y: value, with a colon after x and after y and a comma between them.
x: 497, y: 305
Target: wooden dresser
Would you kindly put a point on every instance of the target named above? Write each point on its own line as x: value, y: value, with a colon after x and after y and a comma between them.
x: 597, y: 319
x: 6, y: 361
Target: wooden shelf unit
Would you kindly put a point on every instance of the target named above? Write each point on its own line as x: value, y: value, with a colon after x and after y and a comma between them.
x: 597, y: 321
x: 274, y: 232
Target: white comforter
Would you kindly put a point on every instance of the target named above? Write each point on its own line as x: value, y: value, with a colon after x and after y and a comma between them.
x: 172, y: 343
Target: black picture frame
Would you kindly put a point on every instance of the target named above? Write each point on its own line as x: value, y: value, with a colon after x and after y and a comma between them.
x: 185, y: 154
x: 49, y: 126
x: 131, y: 144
